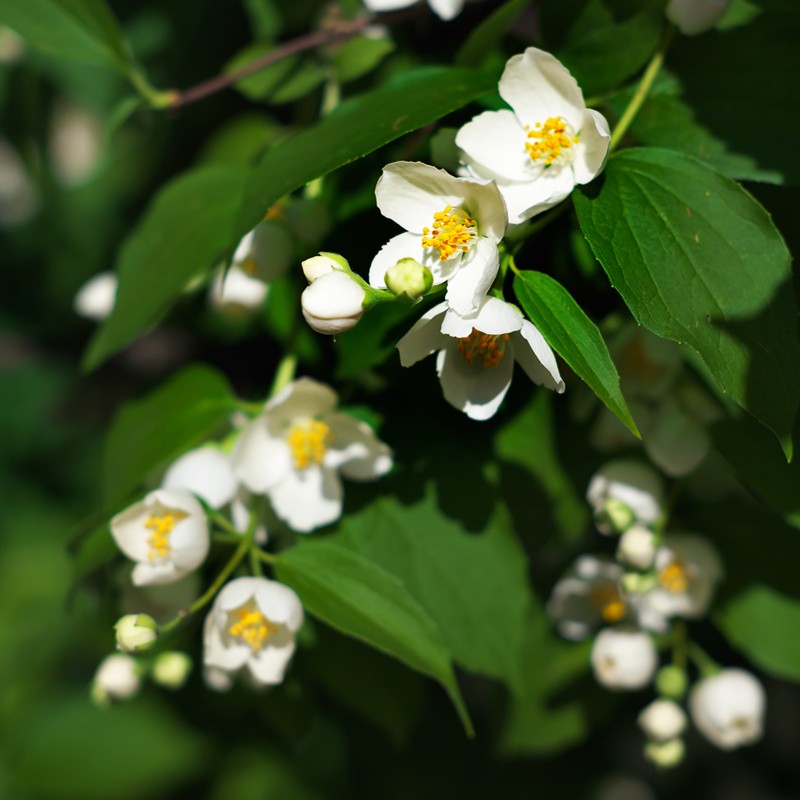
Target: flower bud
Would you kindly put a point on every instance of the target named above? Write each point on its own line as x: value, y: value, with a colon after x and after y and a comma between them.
x: 408, y: 279
x: 636, y: 583
x: 665, y: 754
x: 171, y: 669
x: 333, y: 303
x: 695, y: 16
x: 671, y: 681
x: 614, y: 516
x: 623, y: 658
x: 136, y: 632
x: 637, y: 547
x: 317, y: 266
x: 662, y: 720
x: 117, y: 678
x: 96, y: 298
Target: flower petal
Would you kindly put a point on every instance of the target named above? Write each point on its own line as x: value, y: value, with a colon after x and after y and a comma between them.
x: 493, y: 143
x: 259, y: 458
x: 474, y: 278
x: 494, y: 316
x: 404, y: 245
x: 279, y: 603
x: 536, y: 358
x: 591, y: 151
x: 446, y: 9
x: 525, y: 200
x: 269, y: 665
x: 301, y: 399
x: 309, y: 499
x: 206, y: 472
x: 356, y: 451
x: 424, y: 337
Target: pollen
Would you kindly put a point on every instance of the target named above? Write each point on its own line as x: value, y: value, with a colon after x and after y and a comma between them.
x: 675, y: 577
x: 308, y: 442
x: 451, y: 234
x: 551, y: 142
x: 250, y: 266
x: 608, y: 601
x: 485, y: 348
x: 250, y: 626
x: 162, y: 525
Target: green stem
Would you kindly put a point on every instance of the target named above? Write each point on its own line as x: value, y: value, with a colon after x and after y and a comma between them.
x: 705, y: 664
x: 680, y: 645
x: 267, y: 558
x: 226, y: 538
x: 650, y: 74
x: 284, y: 375
x: 223, y: 522
x: 154, y: 97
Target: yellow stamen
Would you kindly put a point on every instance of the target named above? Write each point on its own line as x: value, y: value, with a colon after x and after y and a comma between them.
x: 162, y: 525
x: 486, y: 347
x: 609, y: 602
x: 249, y: 625
x: 250, y: 266
x: 550, y: 141
x: 675, y: 577
x: 451, y: 233
x: 308, y: 442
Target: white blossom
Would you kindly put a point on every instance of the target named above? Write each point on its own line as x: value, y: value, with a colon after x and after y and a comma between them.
x: 587, y: 597
x: 637, y: 547
x: 333, y: 303
x: 546, y: 144
x: 623, y: 658
x: 206, y: 472
x: 475, y: 354
x: 696, y: 16
x: 251, y: 627
x: 295, y: 449
x: 166, y: 533
x: 625, y: 492
x: 453, y: 226
x: 96, y: 298
x: 662, y: 720
x: 728, y: 708
x: 444, y: 9
x: 117, y: 678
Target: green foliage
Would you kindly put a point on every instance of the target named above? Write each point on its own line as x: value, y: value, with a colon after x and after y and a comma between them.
x: 484, y: 38
x: 697, y: 260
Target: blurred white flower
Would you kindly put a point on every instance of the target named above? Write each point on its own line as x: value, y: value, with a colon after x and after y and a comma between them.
x: 637, y: 547
x: 587, y: 597
x: 696, y: 16
x: 117, y: 678
x: 546, y: 144
x: 687, y: 571
x: 251, y: 627
x: 96, y: 298
x: 662, y: 720
x: 206, y: 472
x: 476, y: 354
x: 625, y: 492
x: 171, y: 669
x: 444, y: 9
x: 333, y: 303
x: 76, y: 144
x: 294, y: 451
x: 453, y: 227
x: 728, y: 708
x: 166, y: 533
x: 12, y: 46
x: 623, y: 658
x: 19, y: 199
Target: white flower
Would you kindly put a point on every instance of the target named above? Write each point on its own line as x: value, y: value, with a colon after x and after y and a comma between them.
x: 96, y: 298
x: 662, y: 720
x: 237, y: 291
x: 117, y: 678
x: 637, y: 547
x: 444, y: 9
x: 546, y: 144
x: 453, y: 226
x: 166, y: 533
x: 76, y: 143
x: 696, y: 16
x: 136, y: 632
x: 252, y: 627
x: 623, y: 658
x: 625, y: 492
x: 293, y: 452
x: 476, y: 354
x: 587, y: 597
x: 333, y: 303
x: 687, y: 571
x: 728, y: 708
x: 206, y: 472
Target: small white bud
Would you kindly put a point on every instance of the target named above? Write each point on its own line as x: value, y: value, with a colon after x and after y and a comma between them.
x: 662, y: 720
x: 623, y: 658
x: 333, y: 303
x: 695, y: 16
x: 136, y: 632
x: 623, y: 493
x: 117, y: 678
x: 322, y: 264
x: 96, y: 298
x: 408, y: 279
x: 665, y: 754
x: 171, y: 669
x: 637, y: 547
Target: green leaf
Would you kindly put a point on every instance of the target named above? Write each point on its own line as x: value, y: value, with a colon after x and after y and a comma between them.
x: 602, y: 52
x: 698, y: 260
x: 185, y: 230
x: 763, y: 624
x: 78, y: 30
x: 574, y: 337
x: 487, y: 35
x: 358, y: 127
x: 360, y: 55
x: 474, y: 585
x: 157, y: 428
x: 359, y: 598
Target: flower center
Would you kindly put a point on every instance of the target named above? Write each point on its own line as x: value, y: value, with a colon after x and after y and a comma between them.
x: 250, y: 626
x: 675, y: 577
x: 451, y: 233
x: 249, y: 266
x: 308, y: 442
x: 551, y: 142
x: 608, y: 601
x: 487, y: 348
x: 162, y: 525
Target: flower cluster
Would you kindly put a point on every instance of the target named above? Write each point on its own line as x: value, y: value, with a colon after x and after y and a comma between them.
x: 655, y: 578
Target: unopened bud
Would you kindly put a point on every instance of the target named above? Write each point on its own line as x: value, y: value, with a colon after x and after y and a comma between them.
x: 665, y: 754
x: 171, y: 669
x: 614, y: 516
x: 333, y: 303
x: 636, y: 583
x: 408, y: 279
x: 117, y: 678
x: 671, y: 681
x: 136, y: 632
x: 637, y: 547
x: 319, y: 265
